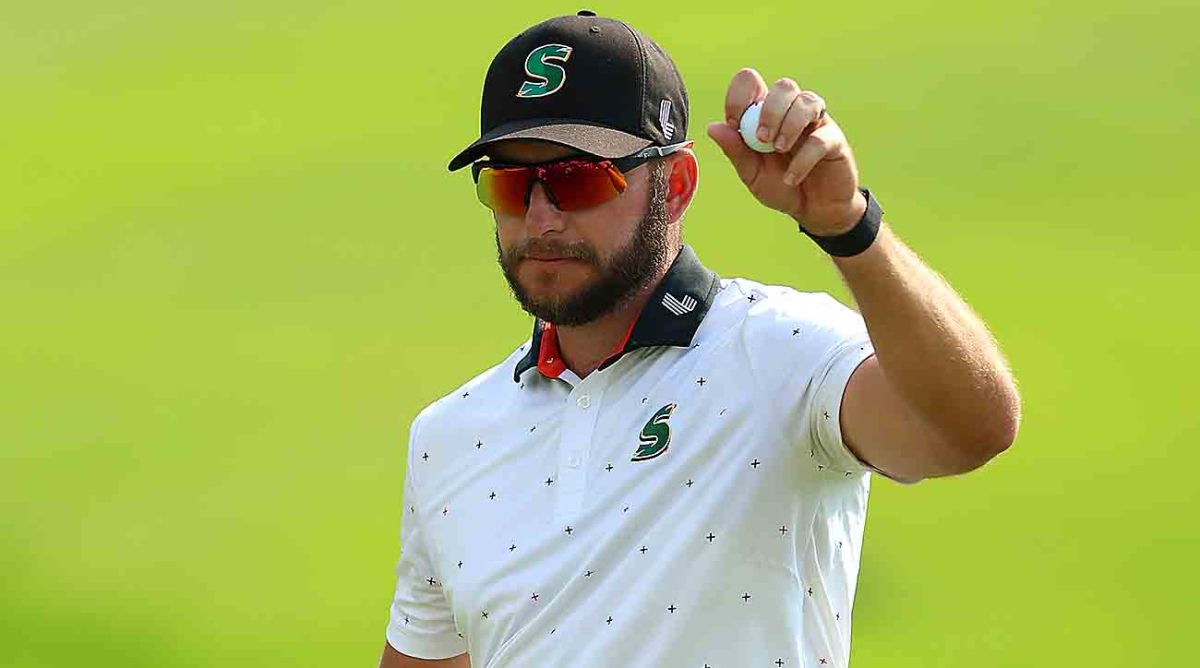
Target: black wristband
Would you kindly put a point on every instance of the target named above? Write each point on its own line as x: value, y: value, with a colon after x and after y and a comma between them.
x: 858, y: 238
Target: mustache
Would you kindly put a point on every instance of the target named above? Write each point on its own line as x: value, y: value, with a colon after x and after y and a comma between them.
x: 576, y: 251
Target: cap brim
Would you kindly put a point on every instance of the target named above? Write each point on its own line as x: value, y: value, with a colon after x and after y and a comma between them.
x: 597, y: 140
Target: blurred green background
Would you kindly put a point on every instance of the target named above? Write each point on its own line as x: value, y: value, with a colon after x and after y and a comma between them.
x: 233, y: 267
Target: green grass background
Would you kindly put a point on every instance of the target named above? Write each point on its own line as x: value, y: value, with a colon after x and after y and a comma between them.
x: 233, y: 267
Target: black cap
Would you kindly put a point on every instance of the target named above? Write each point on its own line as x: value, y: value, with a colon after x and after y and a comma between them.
x: 591, y: 83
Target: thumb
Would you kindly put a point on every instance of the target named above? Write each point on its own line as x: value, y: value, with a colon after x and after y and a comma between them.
x: 744, y: 159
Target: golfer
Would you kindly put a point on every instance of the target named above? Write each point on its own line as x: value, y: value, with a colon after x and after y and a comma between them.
x: 673, y: 469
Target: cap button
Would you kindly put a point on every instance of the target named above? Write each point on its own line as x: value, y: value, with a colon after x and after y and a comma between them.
x: 585, y: 12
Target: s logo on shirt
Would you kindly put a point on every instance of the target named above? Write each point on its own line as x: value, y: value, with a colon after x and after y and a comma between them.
x: 655, y: 436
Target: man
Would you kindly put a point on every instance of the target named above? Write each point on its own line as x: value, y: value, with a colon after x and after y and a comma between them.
x: 673, y: 470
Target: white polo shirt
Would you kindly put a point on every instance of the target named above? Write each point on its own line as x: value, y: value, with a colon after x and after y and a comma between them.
x: 691, y: 503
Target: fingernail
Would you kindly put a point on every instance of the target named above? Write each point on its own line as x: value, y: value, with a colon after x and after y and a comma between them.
x: 762, y: 134
x: 790, y: 179
x: 780, y: 143
x: 731, y: 122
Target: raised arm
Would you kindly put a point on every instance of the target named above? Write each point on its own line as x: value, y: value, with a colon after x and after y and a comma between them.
x: 937, y: 397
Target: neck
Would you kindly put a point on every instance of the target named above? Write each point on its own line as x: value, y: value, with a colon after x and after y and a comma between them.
x: 584, y: 347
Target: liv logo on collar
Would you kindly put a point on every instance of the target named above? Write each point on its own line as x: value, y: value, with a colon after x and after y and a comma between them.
x: 547, y: 77
x: 656, y: 435
x: 679, y: 306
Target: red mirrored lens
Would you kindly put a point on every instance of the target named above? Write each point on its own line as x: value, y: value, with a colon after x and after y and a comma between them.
x: 571, y: 185
x: 503, y: 190
x: 581, y: 185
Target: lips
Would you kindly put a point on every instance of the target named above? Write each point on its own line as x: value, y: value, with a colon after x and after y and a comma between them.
x: 550, y: 258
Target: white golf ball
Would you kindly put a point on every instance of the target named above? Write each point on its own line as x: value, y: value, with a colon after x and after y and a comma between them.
x: 749, y: 129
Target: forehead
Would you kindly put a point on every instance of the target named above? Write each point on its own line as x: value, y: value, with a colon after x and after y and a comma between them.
x: 530, y: 150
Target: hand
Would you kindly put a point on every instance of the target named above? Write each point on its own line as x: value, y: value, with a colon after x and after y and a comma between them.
x: 811, y: 176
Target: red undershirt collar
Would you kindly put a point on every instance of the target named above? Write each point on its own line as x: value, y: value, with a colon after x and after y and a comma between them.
x: 670, y: 318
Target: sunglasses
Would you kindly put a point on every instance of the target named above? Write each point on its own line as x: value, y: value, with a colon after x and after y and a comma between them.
x: 571, y: 184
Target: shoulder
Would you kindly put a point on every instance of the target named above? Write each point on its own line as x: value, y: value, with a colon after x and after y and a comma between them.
x: 783, y: 334
x: 768, y: 310
x: 487, y: 389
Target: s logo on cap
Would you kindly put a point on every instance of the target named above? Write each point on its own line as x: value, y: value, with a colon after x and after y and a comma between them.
x: 548, y: 77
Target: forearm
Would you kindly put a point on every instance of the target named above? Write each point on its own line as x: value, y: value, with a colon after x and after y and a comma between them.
x: 933, y: 350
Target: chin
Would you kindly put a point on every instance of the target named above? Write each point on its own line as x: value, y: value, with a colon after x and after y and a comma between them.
x: 556, y: 282
x: 551, y: 295
x: 549, y: 298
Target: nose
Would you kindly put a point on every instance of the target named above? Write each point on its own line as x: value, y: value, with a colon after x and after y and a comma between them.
x: 542, y: 217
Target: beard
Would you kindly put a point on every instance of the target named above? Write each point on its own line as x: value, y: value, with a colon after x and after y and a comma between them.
x: 619, y: 278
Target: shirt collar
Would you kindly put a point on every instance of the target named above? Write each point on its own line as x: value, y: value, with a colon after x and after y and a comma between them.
x: 670, y: 318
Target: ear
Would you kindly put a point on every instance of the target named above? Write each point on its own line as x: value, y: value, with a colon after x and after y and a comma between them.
x: 682, y: 179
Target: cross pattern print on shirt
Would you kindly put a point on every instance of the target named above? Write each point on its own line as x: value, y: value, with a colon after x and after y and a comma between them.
x: 535, y: 597
x: 762, y: 463
x: 569, y: 530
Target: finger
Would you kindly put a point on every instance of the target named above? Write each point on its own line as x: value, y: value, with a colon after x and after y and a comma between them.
x: 807, y: 108
x: 825, y: 142
x: 746, y: 88
x: 775, y: 107
x: 744, y: 159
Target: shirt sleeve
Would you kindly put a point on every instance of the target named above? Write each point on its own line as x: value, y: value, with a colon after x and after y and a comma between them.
x: 803, y: 348
x: 421, y: 622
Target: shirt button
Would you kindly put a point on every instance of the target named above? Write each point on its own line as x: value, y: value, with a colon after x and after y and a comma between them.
x: 573, y: 461
x: 584, y: 401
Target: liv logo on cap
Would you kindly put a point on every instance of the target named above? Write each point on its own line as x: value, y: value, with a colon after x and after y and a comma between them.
x: 550, y: 76
x: 664, y: 118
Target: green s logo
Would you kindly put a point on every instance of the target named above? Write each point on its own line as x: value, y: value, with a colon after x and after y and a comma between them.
x: 547, y: 77
x: 656, y: 435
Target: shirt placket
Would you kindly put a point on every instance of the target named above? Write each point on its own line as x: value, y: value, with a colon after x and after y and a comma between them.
x: 581, y: 410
